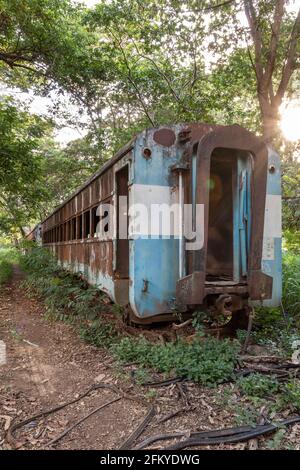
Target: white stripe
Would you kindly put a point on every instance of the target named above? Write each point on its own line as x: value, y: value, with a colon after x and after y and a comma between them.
x: 272, y: 225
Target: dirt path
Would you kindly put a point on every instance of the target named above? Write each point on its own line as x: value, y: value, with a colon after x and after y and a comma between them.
x: 47, y: 364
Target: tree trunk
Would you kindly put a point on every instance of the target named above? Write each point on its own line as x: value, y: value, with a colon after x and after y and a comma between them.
x: 270, y: 117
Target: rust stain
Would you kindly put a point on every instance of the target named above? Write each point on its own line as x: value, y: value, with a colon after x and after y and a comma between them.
x: 165, y: 137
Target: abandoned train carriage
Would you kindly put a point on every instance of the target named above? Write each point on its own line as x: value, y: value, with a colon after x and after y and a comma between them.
x: 226, y: 171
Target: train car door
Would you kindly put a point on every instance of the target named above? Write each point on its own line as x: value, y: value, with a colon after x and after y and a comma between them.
x: 122, y: 243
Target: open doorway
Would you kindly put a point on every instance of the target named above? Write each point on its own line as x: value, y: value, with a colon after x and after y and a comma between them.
x: 122, y: 258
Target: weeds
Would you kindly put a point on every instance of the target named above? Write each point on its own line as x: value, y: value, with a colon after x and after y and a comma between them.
x: 8, y: 256
x: 276, y: 442
x: 99, y: 333
x: 291, y: 394
x: 67, y: 296
x: 258, y: 385
x: 291, y: 286
x: 209, y: 361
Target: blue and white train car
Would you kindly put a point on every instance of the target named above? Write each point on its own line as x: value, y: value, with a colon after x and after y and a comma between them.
x: 183, y: 218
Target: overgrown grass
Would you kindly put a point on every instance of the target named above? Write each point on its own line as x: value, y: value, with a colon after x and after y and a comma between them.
x: 206, y: 360
x: 8, y: 256
x: 67, y: 297
x: 291, y: 285
x: 279, y: 328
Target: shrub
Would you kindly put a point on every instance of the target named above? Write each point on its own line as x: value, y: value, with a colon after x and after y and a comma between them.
x: 291, y: 241
x: 291, y: 286
x: 208, y: 361
x: 8, y: 256
x: 258, y: 385
x: 66, y: 295
x: 291, y: 394
x: 99, y: 333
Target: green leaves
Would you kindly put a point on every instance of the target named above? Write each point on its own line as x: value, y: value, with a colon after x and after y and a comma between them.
x: 20, y: 164
x: 208, y: 361
x: 258, y: 385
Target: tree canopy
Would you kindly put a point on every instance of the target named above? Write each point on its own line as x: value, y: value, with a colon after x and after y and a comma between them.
x: 131, y: 64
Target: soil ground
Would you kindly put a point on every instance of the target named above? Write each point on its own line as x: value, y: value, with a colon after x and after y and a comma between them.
x: 48, y: 364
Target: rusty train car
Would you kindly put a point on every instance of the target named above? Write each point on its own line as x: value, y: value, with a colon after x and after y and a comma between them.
x: 231, y: 181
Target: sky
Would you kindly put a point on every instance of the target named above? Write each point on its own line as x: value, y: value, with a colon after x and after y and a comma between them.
x: 88, y: 3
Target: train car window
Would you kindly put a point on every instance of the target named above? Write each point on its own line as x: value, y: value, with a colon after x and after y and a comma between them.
x: 65, y: 231
x: 79, y: 227
x: 69, y: 230
x: 95, y: 220
x: 73, y: 228
x: 122, y: 256
x: 86, y: 224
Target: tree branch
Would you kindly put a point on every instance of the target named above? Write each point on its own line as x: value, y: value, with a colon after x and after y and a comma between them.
x: 256, y: 37
x: 129, y: 76
x: 289, y: 65
x: 278, y: 14
x: 163, y: 75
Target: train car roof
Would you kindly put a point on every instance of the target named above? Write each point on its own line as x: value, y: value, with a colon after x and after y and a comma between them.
x: 106, y: 166
x: 195, y: 127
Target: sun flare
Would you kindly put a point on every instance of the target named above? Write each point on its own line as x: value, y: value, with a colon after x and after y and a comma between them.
x: 290, y: 121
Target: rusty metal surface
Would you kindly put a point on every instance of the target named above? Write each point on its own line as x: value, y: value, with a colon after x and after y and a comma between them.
x: 220, y: 226
x: 239, y: 289
x: 122, y: 251
x: 233, y: 137
x: 190, y: 289
x: 260, y: 285
x: 164, y: 137
x: 96, y: 257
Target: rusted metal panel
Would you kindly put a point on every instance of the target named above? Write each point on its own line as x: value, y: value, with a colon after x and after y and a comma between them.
x: 233, y: 137
x: 106, y: 184
x: 260, y: 285
x: 95, y: 191
x: 165, y: 137
x: 86, y: 198
x: 190, y: 289
x: 170, y: 147
x: 100, y: 257
x: 79, y: 202
x: 194, y: 132
x: 239, y: 289
x: 122, y: 248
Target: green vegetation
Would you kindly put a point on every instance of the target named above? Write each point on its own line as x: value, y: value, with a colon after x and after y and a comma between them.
x: 278, y: 328
x: 139, y: 64
x: 258, y: 385
x: 207, y: 361
x: 99, y: 333
x: 68, y: 298
x: 291, y: 286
